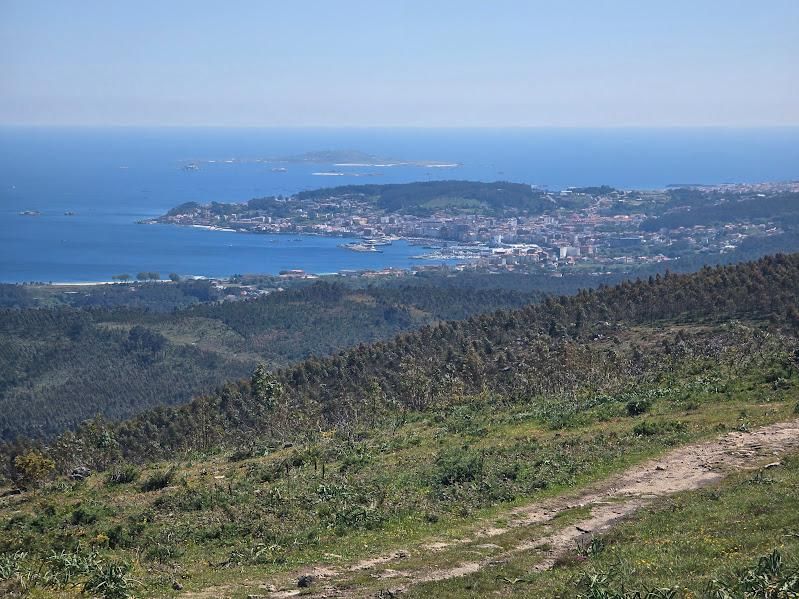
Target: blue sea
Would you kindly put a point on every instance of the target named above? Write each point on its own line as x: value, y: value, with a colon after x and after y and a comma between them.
x: 111, y: 178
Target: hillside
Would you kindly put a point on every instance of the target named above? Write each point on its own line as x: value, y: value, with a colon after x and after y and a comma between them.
x: 782, y: 209
x: 495, y: 197
x: 408, y: 465
x: 62, y: 365
x: 528, y: 352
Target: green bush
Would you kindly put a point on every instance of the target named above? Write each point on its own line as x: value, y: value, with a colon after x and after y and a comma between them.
x: 32, y: 468
x: 119, y: 536
x: 122, y: 475
x: 636, y: 407
x: 158, y: 480
x: 457, y: 466
x: 84, y: 514
x: 163, y: 550
x: 648, y: 428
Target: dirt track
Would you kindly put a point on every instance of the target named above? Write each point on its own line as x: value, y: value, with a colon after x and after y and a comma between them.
x: 683, y: 469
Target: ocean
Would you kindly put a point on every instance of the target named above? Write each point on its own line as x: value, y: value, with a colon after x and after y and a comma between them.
x: 111, y: 178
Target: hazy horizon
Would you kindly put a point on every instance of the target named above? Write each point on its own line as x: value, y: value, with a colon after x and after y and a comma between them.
x: 407, y: 64
x: 89, y: 126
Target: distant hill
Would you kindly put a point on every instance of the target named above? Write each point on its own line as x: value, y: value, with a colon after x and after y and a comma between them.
x: 782, y: 209
x: 426, y: 196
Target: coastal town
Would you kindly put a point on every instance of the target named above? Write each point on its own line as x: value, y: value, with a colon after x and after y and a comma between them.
x: 592, y: 229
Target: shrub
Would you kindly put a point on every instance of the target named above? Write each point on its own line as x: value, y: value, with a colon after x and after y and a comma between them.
x: 125, y: 536
x: 33, y: 467
x: 158, y: 480
x: 163, y: 549
x: 458, y: 466
x: 636, y: 407
x: 85, y: 515
x: 122, y: 475
x: 649, y: 428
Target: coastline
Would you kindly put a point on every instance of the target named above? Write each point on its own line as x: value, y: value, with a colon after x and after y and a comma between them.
x: 410, y: 262
x: 93, y: 283
x: 81, y: 283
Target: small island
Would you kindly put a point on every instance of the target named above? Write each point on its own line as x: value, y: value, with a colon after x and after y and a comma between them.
x: 335, y: 158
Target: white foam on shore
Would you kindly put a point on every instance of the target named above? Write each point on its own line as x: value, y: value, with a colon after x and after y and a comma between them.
x: 92, y: 283
x: 81, y: 283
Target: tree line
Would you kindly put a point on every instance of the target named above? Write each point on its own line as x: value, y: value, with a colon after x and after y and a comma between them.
x: 60, y: 366
x: 544, y: 349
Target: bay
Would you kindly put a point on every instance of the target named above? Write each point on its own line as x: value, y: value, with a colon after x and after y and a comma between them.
x: 111, y: 178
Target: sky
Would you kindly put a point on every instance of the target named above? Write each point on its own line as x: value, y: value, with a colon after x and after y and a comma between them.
x: 491, y: 63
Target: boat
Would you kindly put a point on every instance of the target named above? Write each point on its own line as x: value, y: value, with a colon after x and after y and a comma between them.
x: 30, y: 213
x: 361, y: 247
x: 377, y: 241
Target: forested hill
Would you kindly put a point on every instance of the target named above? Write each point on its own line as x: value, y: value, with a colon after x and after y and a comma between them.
x: 60, y: 366
x: 403, y: 197
x: 543, y: 349
x: 782, y: 209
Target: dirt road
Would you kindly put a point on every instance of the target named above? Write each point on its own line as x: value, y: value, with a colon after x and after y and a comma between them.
x: 682, y: 469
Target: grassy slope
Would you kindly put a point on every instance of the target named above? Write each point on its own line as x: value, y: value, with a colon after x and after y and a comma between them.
x: 224, y: 522
x: 682, y: 543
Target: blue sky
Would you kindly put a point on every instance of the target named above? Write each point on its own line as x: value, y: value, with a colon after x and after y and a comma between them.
x: 427, y: 63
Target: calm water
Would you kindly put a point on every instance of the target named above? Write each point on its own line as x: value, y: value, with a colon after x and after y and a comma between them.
x: 113, y: 177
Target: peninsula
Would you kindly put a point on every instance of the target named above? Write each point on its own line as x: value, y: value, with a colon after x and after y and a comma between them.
x: 513, y: 226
